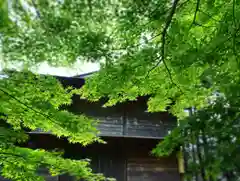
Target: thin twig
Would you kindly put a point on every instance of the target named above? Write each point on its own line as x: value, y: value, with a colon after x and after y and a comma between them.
x: 233, y: 13
x: 36, y: 9
x: 195, y: 14
x: 211, y: 17
x: 198, y: 24
x: 196, y: 11
x: 144, y: 25
x: 7, y: 154
x: 134, y: 22
x: 155, y: 66
x: 12, y: 154
x: 164, y: 34
x: 235, y: 31
x: 27, y: 106
x: 90, y: 7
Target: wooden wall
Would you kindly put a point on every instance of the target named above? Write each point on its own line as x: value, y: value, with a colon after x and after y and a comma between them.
x: 126, y: 159
x: 131, y: 133
x: 129, y: 119
x: 125, y: 121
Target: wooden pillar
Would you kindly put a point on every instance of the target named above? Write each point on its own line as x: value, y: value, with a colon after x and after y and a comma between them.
x: 181, y: 168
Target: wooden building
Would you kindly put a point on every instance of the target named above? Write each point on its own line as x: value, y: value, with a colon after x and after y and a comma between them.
x: 131, y: 133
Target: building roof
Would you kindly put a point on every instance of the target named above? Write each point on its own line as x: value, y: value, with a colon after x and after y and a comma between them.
x: 85, y: 74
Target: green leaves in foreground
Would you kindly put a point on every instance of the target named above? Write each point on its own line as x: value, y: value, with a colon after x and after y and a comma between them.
x: 31, y: 101
x: 34, y: 102
x: 22, y: 164
x: 179, y: 53
x: 210, y: 138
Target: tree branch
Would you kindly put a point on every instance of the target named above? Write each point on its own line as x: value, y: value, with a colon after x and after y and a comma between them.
x: 198, y: 24
x: 90, y: 7
x: 27, y: 106
x: 195, y: 13
x: 36, y: 9
x: 11, y: 154
x: 25, y: 158
x: 164, y: 34
x: 211, y: 17
x: 235, y: 31
x: 155, y: 36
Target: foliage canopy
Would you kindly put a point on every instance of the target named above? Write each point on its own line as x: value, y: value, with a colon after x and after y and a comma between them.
x: 180, y: 53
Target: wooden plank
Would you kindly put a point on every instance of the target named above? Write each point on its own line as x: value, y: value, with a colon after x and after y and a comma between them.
x: 125, y: 119
x: 142, y: 169
x: 111, y: 126
x: 153, y: 176
x: 122, y: 158
x: 148, y: 128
